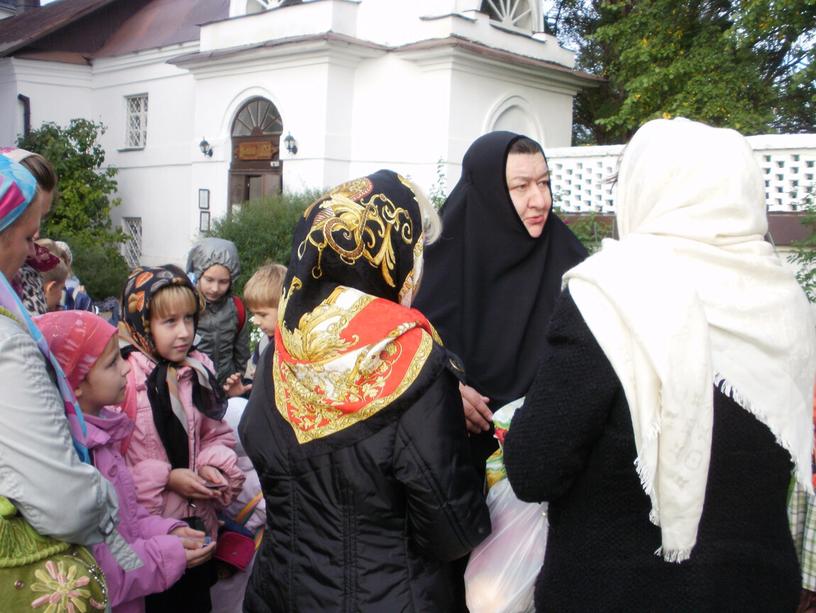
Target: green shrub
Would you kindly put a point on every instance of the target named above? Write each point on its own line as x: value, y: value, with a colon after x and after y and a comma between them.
x: 262, y: 230
x: 99, y: 266
x: 804, y: 254
x: 80, y: 214
x: 590, y: 228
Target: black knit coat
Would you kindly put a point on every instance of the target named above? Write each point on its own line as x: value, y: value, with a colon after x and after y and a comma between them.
x: 572, y: 444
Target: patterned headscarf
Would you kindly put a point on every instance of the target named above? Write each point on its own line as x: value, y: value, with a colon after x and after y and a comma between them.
x: 17, y: 190
x: 162, y: 383
x: 77, y: 339
x: 345, y: 348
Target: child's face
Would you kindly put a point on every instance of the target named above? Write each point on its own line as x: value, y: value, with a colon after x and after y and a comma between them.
x: 214, y: 282
x: 105, y: 382
x: 53, y: 294
x: 173, y: 333
x: 266, y: 318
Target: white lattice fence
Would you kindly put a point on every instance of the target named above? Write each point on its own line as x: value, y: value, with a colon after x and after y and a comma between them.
x: 582, y: 176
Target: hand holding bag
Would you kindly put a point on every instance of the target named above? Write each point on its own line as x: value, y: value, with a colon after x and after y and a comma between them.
x: 501, y: 573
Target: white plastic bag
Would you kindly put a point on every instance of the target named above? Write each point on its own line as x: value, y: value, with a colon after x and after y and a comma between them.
x: 501, y: 573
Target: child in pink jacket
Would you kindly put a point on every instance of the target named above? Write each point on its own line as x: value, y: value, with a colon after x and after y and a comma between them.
x: 148, y: 553
x: 181, y: 452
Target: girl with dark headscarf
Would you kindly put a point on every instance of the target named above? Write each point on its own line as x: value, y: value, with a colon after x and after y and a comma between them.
x: 495, y: 274
x: 354, y: 424
x: 180, y: 452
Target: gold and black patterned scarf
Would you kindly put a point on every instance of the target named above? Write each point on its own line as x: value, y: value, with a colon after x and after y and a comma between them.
x: 347, y: 345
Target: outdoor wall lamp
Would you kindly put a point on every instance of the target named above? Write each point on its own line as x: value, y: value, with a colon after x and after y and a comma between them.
x: 291, y: 143
x: 205, y: 147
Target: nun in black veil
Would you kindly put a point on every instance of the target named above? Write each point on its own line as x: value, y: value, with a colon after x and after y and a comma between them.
x: 491, y: 281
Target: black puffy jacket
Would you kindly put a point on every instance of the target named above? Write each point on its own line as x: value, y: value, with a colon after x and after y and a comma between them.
x: 367, y: 518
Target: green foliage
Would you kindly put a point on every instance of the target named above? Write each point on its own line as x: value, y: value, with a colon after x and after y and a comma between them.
x: 590, y: 228
x: 437, y: 195
x: 101, y: 268
x: 84, y: 199
x: 744, y: 64
x: 804, y: 254
x: 262, y: 230
x: 80, y: 214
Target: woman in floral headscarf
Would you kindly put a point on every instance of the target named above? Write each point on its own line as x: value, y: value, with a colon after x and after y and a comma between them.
x: 44, y: 466
x: 355, y: 424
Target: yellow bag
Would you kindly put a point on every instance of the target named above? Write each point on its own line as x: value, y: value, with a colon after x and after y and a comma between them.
x: 40, y: 572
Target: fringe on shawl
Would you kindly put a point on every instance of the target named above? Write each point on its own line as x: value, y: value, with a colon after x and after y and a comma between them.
x: 646, y: 482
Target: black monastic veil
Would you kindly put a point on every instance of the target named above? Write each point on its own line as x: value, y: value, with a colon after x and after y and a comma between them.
x: 489, y: 287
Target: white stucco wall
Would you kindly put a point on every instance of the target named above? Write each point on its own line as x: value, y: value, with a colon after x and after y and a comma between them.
x: 57, y: 93
x: 353, y: 107
x: 154, y: 182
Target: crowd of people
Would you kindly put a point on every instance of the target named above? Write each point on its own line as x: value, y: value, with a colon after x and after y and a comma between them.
x: 665, y: 387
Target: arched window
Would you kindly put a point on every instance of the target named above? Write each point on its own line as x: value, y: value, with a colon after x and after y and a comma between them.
x: 524, y: 14
x: 257, y: 117
x: 256, y: 6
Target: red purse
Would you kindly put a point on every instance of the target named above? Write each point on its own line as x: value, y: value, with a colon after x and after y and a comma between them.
x: 236, y: 546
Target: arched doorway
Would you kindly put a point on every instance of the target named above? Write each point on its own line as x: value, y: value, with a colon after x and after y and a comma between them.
x: 255, y: 167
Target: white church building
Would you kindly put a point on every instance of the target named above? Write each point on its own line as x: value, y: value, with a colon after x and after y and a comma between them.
x: 210, y: 103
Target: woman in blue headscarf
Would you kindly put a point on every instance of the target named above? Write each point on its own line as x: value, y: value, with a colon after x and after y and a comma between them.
x: 45, y: 469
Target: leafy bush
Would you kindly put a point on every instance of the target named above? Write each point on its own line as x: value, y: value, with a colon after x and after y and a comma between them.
x: 80, y: 215
x: 101, y: 268
x: 590, y: 228
x: 262, y: 230
x: 804, y: 255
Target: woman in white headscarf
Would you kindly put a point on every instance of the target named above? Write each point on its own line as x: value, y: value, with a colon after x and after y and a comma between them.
x: 674, y: 400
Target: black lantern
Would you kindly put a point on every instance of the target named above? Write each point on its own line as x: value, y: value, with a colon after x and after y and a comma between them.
x: 291, y: 143
x: 205, y: 147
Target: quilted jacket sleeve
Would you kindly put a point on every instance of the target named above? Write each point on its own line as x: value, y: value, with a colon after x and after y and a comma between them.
x: 447, y: 513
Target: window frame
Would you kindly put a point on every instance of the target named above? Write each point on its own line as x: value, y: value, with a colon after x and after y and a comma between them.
x: 144, y: 108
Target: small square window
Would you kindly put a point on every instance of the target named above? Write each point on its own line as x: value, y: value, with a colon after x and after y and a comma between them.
x: 136, y: 123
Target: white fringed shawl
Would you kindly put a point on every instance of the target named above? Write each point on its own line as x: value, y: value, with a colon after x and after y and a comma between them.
x: 692, y: 296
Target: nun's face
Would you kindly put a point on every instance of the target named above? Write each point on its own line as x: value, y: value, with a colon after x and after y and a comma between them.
x: 17, y: 241
x: 528, y: 181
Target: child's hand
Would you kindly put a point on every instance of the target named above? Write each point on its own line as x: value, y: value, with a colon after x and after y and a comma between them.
x: 213, y: 475
x: 185, y: 482
x: 198, y: 556
x: 191, y: 539
x: 196, y: 549
x: 233, y: 386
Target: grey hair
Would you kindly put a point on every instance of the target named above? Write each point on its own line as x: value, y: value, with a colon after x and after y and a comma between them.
x: 431, y: 222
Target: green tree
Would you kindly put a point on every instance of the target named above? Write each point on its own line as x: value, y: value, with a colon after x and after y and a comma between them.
x: 804, y: 253
x: 745, y: 64
x: 80, y: 215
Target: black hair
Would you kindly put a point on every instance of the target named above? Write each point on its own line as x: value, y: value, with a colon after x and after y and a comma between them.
x: 526, y: 145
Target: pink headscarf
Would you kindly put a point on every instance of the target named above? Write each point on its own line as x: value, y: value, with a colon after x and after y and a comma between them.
x: 76, y: 339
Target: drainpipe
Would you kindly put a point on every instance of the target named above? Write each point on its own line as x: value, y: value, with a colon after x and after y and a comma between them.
x: 26, y: 113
